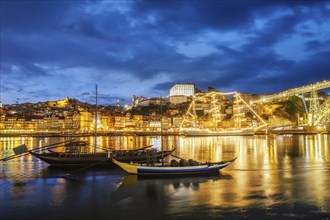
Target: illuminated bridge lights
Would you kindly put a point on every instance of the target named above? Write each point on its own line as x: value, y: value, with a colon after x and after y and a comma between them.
x: 296, y: 91
x: 214, y: 103
x: 317, y: 113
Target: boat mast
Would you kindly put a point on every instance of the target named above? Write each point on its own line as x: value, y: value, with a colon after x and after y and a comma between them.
x: 95, y: 119
x: 161, y: 129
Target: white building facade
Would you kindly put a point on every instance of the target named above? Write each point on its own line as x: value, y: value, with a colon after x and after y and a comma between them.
x: 181, y: 93
x: 182, y: 90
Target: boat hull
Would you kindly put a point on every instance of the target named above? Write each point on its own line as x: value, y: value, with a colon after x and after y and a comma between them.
x: 96, y: 159
x: 203, y: 169
x: 179, y: 171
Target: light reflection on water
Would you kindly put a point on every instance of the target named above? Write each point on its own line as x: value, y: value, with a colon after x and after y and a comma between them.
x: 273, y: 177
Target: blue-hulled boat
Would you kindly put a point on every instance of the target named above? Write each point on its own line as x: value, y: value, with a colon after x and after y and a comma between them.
x: 170, y: 170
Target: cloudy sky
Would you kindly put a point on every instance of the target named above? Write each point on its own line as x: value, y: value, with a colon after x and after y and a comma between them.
x: 53, y: 49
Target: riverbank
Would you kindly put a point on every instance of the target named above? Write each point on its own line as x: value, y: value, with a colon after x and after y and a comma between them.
x: 88, y: 134
x: 153, y: 133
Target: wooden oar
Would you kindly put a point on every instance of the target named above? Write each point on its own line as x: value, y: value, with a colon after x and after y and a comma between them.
x: 13, y: 156
x: 35, y: 149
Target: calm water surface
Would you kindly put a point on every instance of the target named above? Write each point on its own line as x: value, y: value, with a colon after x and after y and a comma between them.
x: 274, y: 177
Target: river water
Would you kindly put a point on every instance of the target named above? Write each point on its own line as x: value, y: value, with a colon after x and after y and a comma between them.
x: 274, y: 177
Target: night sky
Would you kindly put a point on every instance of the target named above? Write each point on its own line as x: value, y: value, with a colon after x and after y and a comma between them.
x: 53, y: 49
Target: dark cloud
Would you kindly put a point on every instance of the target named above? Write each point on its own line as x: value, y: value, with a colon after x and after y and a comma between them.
x: 225, y: 15
x: 31, y: 16
x: 274, y: 31
x: 316, y: 45
x: 315, y: 68
x: 138, y: 48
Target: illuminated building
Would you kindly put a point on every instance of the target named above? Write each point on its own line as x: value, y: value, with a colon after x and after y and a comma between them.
x: 142, y: 101
x: 59, y: 104
x: 86, y: 121
x: 177, y: 99
x: 182, y: 89
x: 213, y: 110
x: 181, y: 93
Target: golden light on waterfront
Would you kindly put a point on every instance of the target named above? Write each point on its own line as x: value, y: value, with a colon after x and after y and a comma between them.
x: 269, y: 170
x: 235, y: 93
x: 273, y: 167
x: 207, y: 112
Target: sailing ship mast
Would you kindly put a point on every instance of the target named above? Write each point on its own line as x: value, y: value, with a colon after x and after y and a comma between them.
x: 161, y: 129
x: 95, y: 119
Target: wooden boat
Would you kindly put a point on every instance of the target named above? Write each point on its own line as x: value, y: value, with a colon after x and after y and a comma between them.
x: 170, y: 170
x: 142, y: 155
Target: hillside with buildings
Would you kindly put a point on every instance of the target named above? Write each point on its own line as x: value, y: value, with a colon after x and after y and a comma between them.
x: 186, y: 107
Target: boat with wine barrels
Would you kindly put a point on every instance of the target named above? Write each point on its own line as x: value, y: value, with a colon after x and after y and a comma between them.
x: 174, y: 168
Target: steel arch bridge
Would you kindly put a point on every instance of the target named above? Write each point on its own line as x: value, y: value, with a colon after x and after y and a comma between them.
x: 317, y: 109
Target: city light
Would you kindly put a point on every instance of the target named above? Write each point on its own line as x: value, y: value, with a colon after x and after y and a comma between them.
x: 212, y: 111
